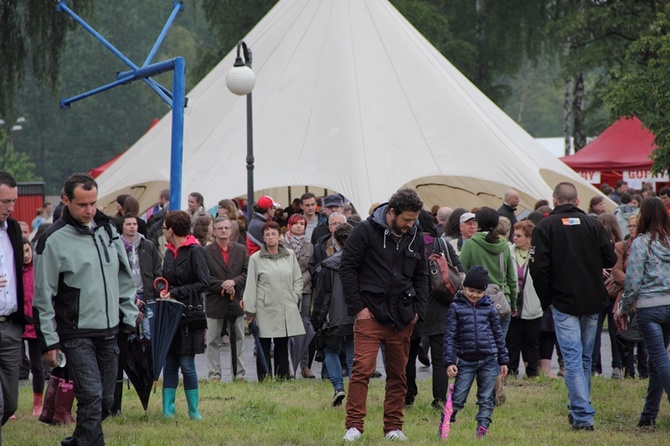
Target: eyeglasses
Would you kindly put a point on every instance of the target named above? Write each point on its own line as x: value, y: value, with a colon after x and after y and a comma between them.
x: 164, y: 228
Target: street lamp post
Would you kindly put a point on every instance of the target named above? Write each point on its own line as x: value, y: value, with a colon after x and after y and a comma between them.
x: 240, y: 80
x: 15, y: 128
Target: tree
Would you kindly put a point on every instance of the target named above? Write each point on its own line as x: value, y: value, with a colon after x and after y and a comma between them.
x: 592, y: 37
x: 31, y: 28
x: 16, y: 163
x: 643, y: 89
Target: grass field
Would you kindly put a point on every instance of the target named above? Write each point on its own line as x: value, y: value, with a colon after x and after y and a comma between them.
x: 299, y: 413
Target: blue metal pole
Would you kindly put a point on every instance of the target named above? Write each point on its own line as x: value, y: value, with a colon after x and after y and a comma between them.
x: 144, y: 72
x: 178, y: 7
x: 61, y: 6
x: 177, y: 155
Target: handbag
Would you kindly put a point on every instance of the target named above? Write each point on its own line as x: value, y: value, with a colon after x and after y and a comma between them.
x: 195, y: 314
x: 497, y: 295
x: 445, y: 279
x: 612, y: 287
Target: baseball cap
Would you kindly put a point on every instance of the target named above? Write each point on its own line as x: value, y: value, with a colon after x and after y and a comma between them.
x: 332, y: 200
x: 266, y: 202
x: 467, y: 216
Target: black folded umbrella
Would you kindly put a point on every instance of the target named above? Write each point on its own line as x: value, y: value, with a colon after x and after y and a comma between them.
x: 139, y: 366
x: 299, y: 345
x: 253, y: 329
x: 164, y: 326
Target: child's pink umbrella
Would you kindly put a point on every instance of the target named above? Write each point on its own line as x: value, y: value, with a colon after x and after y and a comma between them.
x: 445, y: 427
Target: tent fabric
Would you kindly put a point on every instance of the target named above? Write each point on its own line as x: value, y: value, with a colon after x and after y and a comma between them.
x: 351, y: 98
x: 626, y: 144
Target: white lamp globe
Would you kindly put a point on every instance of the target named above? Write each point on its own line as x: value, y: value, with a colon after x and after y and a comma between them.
x: 241, y: 80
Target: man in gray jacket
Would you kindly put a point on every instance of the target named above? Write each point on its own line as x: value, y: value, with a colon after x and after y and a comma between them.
x: 84, y: 294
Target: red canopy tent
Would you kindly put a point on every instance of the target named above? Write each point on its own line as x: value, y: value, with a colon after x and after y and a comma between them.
x: 96, y: 171
x: 621, y: 151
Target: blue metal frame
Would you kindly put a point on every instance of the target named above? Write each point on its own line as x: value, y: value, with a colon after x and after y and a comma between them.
x: 176, y: 100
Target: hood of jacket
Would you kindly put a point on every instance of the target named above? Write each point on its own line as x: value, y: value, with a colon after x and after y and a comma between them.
x: 100, y: 219
x: 492, y: 248
x: 136, y: 244
x: 378, y: 220
x: 283, y: 251
x: 657, y: 249
x: 626, y: 210
x: 333, y: 262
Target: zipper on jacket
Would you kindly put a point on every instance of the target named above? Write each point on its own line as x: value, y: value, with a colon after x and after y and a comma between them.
x: 474, y: 314
x: 102, y: 271
x: 102, y: 243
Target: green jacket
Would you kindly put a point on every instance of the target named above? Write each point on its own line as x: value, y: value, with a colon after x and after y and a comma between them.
x: 83, y: 284
x: 477, y: 251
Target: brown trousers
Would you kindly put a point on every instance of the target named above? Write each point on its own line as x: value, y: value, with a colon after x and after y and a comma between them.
x: 368, y: 336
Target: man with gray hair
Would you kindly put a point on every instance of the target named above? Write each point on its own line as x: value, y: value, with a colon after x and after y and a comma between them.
x: 443, y: 215
x: 511, y: 200
x: 325, y: 246
x: 228, y: 263
x: 569, y: 251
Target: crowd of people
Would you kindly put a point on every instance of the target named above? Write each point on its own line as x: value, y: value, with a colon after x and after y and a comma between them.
x: 316, y: 280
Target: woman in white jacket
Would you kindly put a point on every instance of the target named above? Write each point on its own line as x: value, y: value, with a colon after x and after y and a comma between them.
x: 272, y: 297
x: 523, y: 336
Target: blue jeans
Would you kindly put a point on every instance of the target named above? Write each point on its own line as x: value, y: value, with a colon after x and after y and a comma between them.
x: 92, y: 365
x: 170, y: 373
x: 332, y: 360
x: 505, y: 326
x: 654, y: 325
x: 576, y: 336
x: 486, y: 371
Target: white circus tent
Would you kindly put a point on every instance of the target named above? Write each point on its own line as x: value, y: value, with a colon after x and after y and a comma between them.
x: 351, y: 98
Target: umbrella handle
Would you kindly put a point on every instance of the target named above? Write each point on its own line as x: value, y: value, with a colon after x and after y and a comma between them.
x: 161, y: 284
x: 232, y: 296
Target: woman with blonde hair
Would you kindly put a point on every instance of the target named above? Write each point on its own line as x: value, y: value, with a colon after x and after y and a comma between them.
x: 523, y: 336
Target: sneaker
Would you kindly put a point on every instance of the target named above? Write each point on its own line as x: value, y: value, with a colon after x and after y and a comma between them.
x: 352, y: 434
x: 481, y: 431
x: 338, y: 397
x: 395, y: 435
x: 646, y: 422
x: 499, y: 391
x: 616, y: 373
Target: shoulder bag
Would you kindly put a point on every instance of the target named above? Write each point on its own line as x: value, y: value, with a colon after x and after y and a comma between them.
x: 497, y: 295
x: 445, y: 279
x: 195, y: 310
x: 612, y: 287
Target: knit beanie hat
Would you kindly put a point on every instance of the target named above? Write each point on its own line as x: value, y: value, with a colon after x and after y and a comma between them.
x: 477, y: 278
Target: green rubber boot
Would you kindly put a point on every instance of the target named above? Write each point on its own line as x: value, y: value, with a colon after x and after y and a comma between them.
x: 168, y: 402
x: 192, y: 401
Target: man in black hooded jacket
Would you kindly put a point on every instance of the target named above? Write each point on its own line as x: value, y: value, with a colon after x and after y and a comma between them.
x: 384, y: 277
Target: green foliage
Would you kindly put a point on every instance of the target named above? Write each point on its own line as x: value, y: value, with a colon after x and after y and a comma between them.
x: 643, y: 88
x: 100, y: 127
x: 31, y: 28
x: 229, y: 21
x: 298, y: 412
x: 16, y: 163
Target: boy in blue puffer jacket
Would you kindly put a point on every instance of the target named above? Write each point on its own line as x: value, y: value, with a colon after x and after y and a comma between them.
x: 474, y: 346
